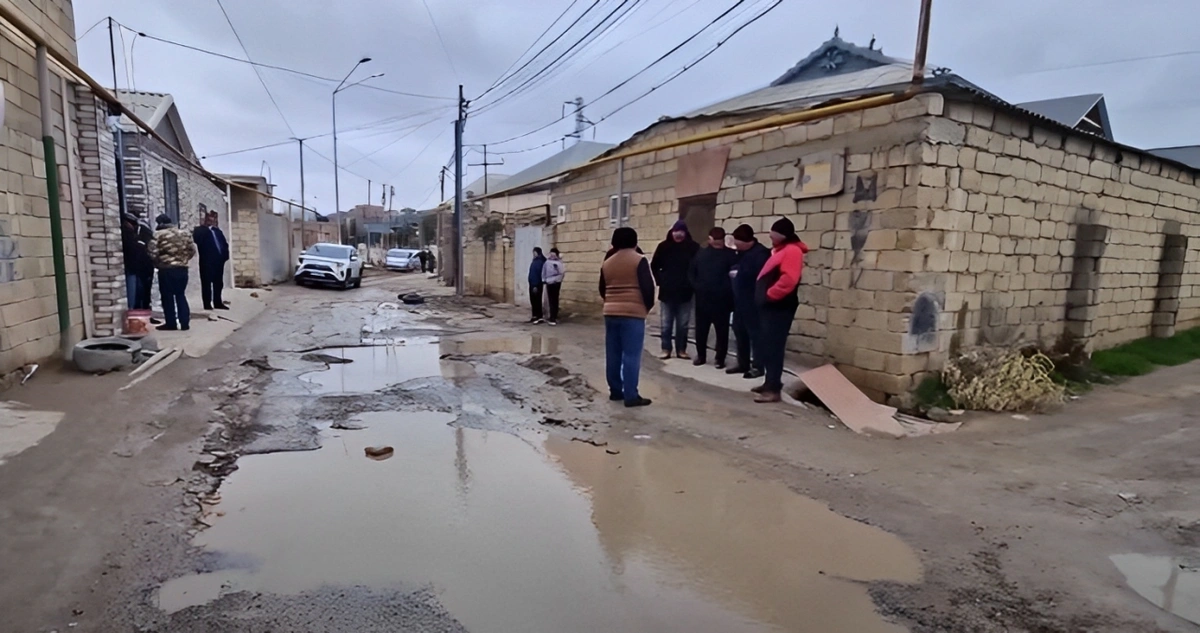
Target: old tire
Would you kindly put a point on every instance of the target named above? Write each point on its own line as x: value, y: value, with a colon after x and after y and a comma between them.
x: 104, y: 354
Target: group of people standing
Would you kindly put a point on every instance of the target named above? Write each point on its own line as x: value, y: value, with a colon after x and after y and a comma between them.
x: 756, y: 286
x: 169, y: 250
x: 545, y: 278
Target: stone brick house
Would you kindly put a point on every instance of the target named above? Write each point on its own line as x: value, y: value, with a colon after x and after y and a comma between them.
x: 156, y: 179
x: 261, y: 240
x: 945, y: 219
x: 28, y: 310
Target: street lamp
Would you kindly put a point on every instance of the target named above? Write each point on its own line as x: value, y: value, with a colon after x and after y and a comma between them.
x: 336, y: 180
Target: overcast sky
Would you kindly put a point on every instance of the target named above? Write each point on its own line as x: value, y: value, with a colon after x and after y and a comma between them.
x: 1017, y: 49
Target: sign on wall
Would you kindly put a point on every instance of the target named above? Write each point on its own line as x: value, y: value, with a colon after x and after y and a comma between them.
x: 818, y: 175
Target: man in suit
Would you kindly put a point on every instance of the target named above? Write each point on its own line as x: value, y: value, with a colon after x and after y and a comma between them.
x: 214, y: 252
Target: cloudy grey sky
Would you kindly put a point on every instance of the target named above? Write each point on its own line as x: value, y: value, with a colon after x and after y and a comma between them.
x: 1020, y: 49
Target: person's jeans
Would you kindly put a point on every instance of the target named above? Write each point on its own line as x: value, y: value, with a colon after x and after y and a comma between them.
x: 623, y: 341
x: 776, y: 325
x: 212, y: 281
x: 535, y: 300
x: 133, y: 290
x: 172, y: 284
x: 552, y: 292
x: 715, y: 316
x: 145, y: 283
x: 746, y: 326
x: 675, y: 318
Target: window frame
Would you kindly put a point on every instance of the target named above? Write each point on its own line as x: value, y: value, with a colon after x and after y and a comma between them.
x: 171, y: 194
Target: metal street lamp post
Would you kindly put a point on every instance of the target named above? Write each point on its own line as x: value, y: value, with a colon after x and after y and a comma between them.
x: 337, y: 198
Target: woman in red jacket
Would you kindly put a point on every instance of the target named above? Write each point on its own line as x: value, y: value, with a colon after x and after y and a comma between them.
x: 777, y: 296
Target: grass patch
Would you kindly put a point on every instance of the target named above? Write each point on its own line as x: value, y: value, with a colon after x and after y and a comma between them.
x: 932, y: 393
x: 1140, y: 357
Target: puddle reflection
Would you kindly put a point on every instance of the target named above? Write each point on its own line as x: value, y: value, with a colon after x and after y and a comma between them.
x: 565, y: 538
x: 1163, y: 580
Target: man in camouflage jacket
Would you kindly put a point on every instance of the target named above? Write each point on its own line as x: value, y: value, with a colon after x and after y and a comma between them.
x: 171, y: 249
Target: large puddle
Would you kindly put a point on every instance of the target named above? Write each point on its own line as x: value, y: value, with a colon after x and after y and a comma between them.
x: 529, y: 534
x: 1168, y: 582
x: 372, y: 367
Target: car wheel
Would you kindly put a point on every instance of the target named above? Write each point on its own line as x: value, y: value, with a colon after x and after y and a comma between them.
x: 358, y: 280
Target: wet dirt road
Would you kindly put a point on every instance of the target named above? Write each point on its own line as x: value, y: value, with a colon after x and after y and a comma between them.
x: 495, y: 521
x: 237, y: 493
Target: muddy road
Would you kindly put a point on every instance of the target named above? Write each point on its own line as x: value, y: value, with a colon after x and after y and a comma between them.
x: 346, y: 463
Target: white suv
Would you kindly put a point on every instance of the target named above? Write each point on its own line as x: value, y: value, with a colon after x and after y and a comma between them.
x: 330, y: 264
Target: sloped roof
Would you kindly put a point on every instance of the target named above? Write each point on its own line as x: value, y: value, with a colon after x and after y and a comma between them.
x: 1071, y: 111
x: 570, y: 158
x: 158, y: 110
x: 1186, y: 154
x: 835, y: 44
x: 475, y: 187
x: 790, y: 95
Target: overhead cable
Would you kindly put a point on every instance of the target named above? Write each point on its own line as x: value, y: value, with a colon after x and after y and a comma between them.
x: 257, y: 72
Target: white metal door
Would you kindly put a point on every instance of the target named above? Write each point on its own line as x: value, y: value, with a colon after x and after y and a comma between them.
x: 527, y: 237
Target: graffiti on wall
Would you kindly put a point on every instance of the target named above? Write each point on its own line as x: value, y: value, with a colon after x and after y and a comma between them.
x: 8, y: 254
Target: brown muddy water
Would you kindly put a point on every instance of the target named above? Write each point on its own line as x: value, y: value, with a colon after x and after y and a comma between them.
x: 537, y: 533
x: 1170, y: 583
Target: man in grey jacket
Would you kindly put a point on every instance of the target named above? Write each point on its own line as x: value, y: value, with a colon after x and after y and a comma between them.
x: 553, y: 272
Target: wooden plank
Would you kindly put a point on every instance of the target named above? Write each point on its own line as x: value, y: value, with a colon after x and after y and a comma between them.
x: 851, y: 406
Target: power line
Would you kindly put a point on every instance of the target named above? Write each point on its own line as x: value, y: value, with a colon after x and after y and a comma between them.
x: 669, y: 79
x: 543, y: 50
x: 339, y: 167
x: 90, y: 28
x: 418, y: 155
x: 439, y: 36
x: 274, y: 67
x: 535, y: 76
x: 257, y: 72
x: 555, y: 70
x: 1111, y: 62
x: 625, y: 82
x: 410, y: 132
x: 531, y: 45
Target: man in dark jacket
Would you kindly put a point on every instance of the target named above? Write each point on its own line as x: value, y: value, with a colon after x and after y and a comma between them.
x: 751, y: 257
x: 714, y: 295
x: 535, y: 284
x: 139, y: 268
x: 214, y: 252
x: 671, y: 263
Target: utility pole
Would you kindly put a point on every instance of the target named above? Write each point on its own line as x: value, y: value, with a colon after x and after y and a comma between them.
x: 112, y: 51
x: 458, y: 193
x: 442, y: 185
x: 922, y: 42
x: 485, y: 164
x: 303, y: 203
x: 581, y: 122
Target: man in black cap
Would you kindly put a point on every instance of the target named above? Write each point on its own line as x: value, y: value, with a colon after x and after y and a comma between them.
x: 751, y: 256
x: 670, y: 264
x: 714, y: 295
x: 777, y: 296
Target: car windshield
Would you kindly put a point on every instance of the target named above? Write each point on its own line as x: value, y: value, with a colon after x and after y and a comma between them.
x: 400, y: 252
x: 332, y: 251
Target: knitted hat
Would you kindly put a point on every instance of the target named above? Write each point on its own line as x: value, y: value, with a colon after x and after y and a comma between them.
x: 624, y: 237
x: 717, y: 233
x: 164, y: 220
x: 679, y: 225
x: 784, y: 227
x: 743, y: 233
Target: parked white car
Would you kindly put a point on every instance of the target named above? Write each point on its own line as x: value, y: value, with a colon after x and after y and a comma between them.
x: 330, y: 264
x: 403, y: 259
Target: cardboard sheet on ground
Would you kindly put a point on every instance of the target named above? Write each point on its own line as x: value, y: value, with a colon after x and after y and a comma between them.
x: 851, y: 406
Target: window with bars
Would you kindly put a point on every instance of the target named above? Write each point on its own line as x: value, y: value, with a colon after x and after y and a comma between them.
x: 171, y: 194
x: 618, y: 213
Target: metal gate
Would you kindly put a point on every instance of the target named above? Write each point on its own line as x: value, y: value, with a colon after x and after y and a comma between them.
x: 527, y: 237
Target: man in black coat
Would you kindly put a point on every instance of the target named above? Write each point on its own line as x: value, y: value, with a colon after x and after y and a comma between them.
x: 714, y: 296
x: 670, y: 265
x: 751, y: 258
x: 214, y: 252
x: 139, y: 268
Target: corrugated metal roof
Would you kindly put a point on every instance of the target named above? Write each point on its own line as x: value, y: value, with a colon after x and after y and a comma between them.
x: 151, y: 107
x: 1186, y: 154
x: 792, y: 96
x: 568, y: 159
x: 1066, y: 110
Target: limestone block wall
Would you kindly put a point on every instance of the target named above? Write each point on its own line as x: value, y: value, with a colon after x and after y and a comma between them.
x: 245, y: 231
x: 145, y: 158
x: 101, y: 211
x: 862, y: 274
x: 1045, y: 234
x: 54, y: 19
x: 28, y: 303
